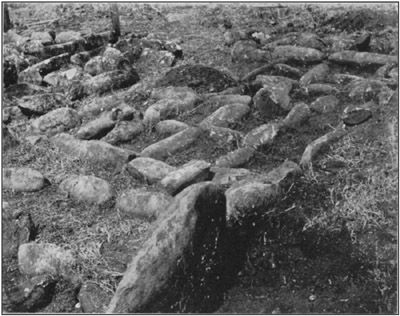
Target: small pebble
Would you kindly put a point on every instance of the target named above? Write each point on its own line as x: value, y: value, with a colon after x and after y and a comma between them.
x: 312, y: 298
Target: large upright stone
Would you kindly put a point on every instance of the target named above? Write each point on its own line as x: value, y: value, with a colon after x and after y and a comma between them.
x: 56, y: 121
x: 149, y: 169
x: 184, y: 246
x: 23, y: 179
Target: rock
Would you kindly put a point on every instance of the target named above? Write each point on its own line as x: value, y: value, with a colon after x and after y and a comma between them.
x: 339, y: 43
x: 224, y: 136
x: 246, y: 198
x: 93, y: 151
x: 167, y: 108
x: 124, y: 131
x: 315, y: 146
x: 42, y: 258
x: 361, y: 59
x: 297, y: 53
x: 109, y: 61
x: 226, y: 99
x: 43, y: 37
x: 310, y: 40
x: 169, y: 127
x: 81, y: 58
x: 282, y: 173
x: 182, y: 247
x: 23, y: 179
x: 192, y: 172
x: 315, y: 75
x: 198, y: 77
x: 297, y: 115
x: 286, y: 71
x: 247, y: 51
x: 325, y: 104
x: 271, y: 102
x: 101, y: 104
x: 267, y: 81
x: 97, y: 128
x: 344, y: 79
x: 10, y: 73
x: 93, y: 298
x: 384, y: 42
x: 228, y: 176
x: 143, y: 204
x: 88, y: 189
x: 366, y: 89
x: 262, y: 135
x: 151, y: 117
x: 34, y: 74
x: 56, y: 121
x: 18, y: 228
x: 64, y: 78
x: 33, y: 47
x: 35, y: 139
x: 23, y: 89
x: 68, y: 36
x: 149, y: 169
x: 162, y: 58
x: 235, y: 158
x: 355, y: 115
x: 39, y: 104
x: 170, y: 145
x: 317, y: 89
x: 67, y: 47
x: 226, y: 116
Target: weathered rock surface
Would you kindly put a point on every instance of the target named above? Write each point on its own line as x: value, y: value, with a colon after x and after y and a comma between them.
x: 97, y: 128
x: 297, y: 53
x: 247, y: 51
x: 311, y: 40
x: 315, y: 147
x: 68, y: 36
x: 325, y: 104
x: 81, y: 58
x: 23, y: 89
x: 192, y: 172
x: 124, y: 131
x: 262, y: 135
x: 88, y: 189
x: 41, y: 258
x: 93, y: 151
x: 168, y: 146
x: 343, y: 79
x: 235, y: 158
x: 198, y: 77
x: 56, y: 121
x: 297, y: 115
x: 272, y: 102
x: 226, y: 116
x: 169, y: 127
x: 41, y: 103
x: 109, y: 61
x: 361, y: 59
x: 228, y: 176
x: 315, y: 75
x: 23, y: 179
x: 317, y: 89
x: 64, y: 78
x: 101, y: 104
x: 43, y: 37
x: 355, y: 115
x: 286, y: 71
x: 143, y: 204
x: 226, y: 99
x: 162, y: 58
x: 149, y: 169
x: 182, y: 247
x: 223, y: 135
x: 167, y: 108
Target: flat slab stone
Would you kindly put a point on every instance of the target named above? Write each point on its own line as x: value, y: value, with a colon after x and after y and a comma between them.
x: 149, y: 169
x: 143, y: 204
x: 170, y: 145
x: 87, y: 189
x: 56, y: 121
x: 192, y: 172
x: 262, y: 135
x: 23, y: 179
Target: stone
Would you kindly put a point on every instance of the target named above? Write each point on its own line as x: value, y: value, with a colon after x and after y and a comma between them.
x: 315, y: 75
x: 228, y: 176
x: 284, y: 172
x: 184, y: 246
x: 167, y: 108
x: 109, y: 61
x: 56, y: 121
x: 169, y: 127
x: 39, y: 104
x: 170, y: 92
x: 44, y: 258
x: 362, y: 43
x: 88, y: 189
x: 272, y: 102
x: 357, y: 114
x: 35, y: 139
x: 43, y: 37
x: 297, y: 53
x: 151, y: 117
x: 124, y: 131
x: 64, y: 78
x: 23, y: 179
x: 344, y: 79
x: 366, y: 89
x: 81, y: 58
x: 93, y: 298
x: 97, y: 128
x: 68, y: 36
x: 247, y: 51
x: 226, y: 99
x: 170, y: 145
x: 101, y: 104
x: 297, y: 115
x: 198, y: 77
x: 92, y: 151
x: 311, y: 40
x: 23, y: 89
x: 267, y: 81
x: 149, y: 169
x: 236, y: 158
x: 226, y: 116
x: 262, y: 135
x: 338, y: 43
x: 361, y: 58
x: 247, y: 198
x: 143, y: 204
x: 317, y: 145
x: 286, y: 71
x: 192, y: 172
x: 162, y: 58
x: 325, y: 104
x: 317, y: 89
x: 224, y: 136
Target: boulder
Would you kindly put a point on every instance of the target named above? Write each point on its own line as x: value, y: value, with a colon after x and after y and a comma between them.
x: 198, y: 77
x: 315, y: 75
x: 169, y: 127
x: 297, y: 115
x: 81, y: 58
x: 99, y: 127
x: 226, y: 116
x: 124, y: 131
x: 170, y: 145
x: 56, y: 121
x: 361, y: 59
x: 262, y: 135
x: 93, y: 151
x: 43, y: 37
x: 142, y: 203
x: 88, y: 189
x: 167, y: 108
x: 184, y: 246
x: 42, y: 258
x: 343, y: 79
x: 149, y: 169
x: 39, y: 104
x: 325, y: 104
x: 297, y: 53
x: 64, y: 78
x: 23, y: 89
x: 271, y: 102
x: 235, y: 158
x: 181, y: 93
x: 23, y: 179
x: 98, y: 105
x: 192, y: 172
